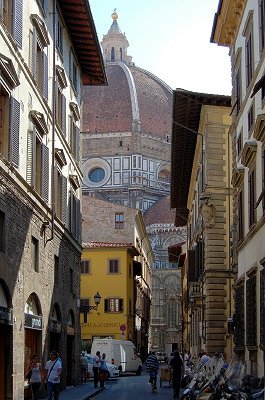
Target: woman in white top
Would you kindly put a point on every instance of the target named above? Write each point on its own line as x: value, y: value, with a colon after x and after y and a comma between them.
x: 36, y: 377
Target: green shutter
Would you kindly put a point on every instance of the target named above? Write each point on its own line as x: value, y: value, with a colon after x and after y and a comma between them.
x: 64, y: 200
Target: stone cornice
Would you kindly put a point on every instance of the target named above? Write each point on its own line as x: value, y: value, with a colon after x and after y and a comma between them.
x: 227, y: 21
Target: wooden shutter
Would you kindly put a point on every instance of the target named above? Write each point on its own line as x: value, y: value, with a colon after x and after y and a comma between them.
x: 14, y: 132
x: 18, y: 22
x: 31, y: 158
x: 64, y: 200
x: 106, y: 305
x: 45, y: 76
x: 120, y: 304
x: 45, y: 173
x: 77, y: 144
x: 191, y: 266
x: 78, y: 220
x: 63, y: 115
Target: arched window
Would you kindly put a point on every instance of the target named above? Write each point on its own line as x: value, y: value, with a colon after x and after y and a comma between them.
x: 112, y: 56
x: 120, y: 53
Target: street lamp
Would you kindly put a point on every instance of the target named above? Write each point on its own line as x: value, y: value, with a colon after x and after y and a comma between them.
x: 86, y: 308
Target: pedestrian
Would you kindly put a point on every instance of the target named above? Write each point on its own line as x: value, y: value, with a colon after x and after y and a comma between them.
x: 34, y: 371
x: 96, y: 364
x: 152, y: 366
x: 53, y: 370
x: 176, y: 364
x: 84, y: 367
x: 203, y: 357
x: 103, y: 369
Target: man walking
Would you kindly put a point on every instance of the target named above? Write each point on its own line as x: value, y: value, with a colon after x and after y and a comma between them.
x: 53, y: 369
x: 152, y: 366
x: 96, y: 364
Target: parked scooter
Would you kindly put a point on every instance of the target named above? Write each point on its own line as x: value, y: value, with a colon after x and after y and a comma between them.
x: 206, y: 374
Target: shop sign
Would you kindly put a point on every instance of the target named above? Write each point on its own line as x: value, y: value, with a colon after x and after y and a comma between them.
x: 5, y: 315
x: 33, y: 321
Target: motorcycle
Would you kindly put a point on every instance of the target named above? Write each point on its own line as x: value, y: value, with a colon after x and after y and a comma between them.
x: 206, y: 374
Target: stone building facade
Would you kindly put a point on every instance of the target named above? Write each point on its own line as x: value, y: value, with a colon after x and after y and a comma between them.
x: 40, y: 176
x: 201, y: 194
x: 239, y: 25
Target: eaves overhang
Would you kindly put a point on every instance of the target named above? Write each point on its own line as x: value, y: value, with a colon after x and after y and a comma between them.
x: 80, y: 25
x: 186, y: 112
x: 226, y: 22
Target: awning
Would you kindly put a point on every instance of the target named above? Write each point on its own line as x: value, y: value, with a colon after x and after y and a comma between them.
x: 258, y: 86
x: 174, y: 251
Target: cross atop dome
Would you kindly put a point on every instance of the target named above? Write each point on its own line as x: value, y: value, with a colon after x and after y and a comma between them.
x: 115, y: 43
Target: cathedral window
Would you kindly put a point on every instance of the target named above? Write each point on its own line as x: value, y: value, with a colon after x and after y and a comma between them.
x: 120, y: 54
x: 112, y: 55
x: 96, y: 174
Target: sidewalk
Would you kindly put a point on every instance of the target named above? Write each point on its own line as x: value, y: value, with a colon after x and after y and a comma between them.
x: 80, y: 392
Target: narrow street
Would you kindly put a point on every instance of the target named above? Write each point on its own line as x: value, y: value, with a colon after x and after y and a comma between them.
x: 131, y: 387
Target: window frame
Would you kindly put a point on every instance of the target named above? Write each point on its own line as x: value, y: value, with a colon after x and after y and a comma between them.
x: 35, y: 253
x: 113, y: 305
x: 113, y: 269
x: 85, y: 267
x: 251, y: 197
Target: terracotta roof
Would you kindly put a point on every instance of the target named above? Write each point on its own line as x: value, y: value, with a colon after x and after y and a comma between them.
x: 186, y: 111
x: 160, y: 213
x: 80, y: 25
x: 96, y: 245
x: 115, y: 107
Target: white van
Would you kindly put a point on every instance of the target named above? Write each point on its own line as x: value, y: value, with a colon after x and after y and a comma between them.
x: 120, y: 352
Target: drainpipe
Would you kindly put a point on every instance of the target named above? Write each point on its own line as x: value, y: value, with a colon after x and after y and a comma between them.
x: 53, y: 125
x: 229, y: 242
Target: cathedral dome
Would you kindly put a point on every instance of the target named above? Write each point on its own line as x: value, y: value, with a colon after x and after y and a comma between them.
x: 134, y: 100
x: 160, y: 213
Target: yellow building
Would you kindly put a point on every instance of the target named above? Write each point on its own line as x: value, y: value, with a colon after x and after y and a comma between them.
x: 116, y: 260
x: 108, y: 269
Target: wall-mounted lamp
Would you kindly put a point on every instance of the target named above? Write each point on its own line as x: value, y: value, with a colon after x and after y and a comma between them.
x: 85, y: 309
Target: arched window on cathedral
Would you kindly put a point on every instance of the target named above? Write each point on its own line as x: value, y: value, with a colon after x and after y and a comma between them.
x: 120, y: 53
x: 112, y: 56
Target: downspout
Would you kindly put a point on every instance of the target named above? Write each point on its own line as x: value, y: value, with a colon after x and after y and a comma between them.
x: 53, y: 125
x: 229, y: 242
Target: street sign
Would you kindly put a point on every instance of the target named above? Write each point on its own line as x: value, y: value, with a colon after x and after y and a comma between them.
x: 123, y: 328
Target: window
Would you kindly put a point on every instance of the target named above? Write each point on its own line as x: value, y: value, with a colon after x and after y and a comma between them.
x: 250, y: 120
x: 74, y: 131
x: 60, y: 186
x: 11, y: 15
x: 96, y: 174
x: 239, y: 145
x: 60, y: 103
x: 2, y: 232
x: 9, y: 127
x: 35, y: 253
x: 240, y: 215
x: 73, y: 70
x: 113, y: 305
x: 37, y: 173
x: 59, y: 34
x: 113, y: 266
x: 74, y: 215
x: 84, y: 303
x: 249, y: 58
x: 237, y: 91
x: 251, y: 198
x: 112, y: 55
x: 261, y: 24
x: 38, y: 59
x: 56, y: 269
x: 119, y: 220
x: 85, y: 267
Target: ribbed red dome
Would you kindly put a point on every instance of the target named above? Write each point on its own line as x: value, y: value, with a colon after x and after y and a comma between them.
x: 133, y: 97
x: 160, y: 213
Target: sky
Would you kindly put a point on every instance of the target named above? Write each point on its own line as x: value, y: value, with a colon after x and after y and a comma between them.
x: 171, y: 39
